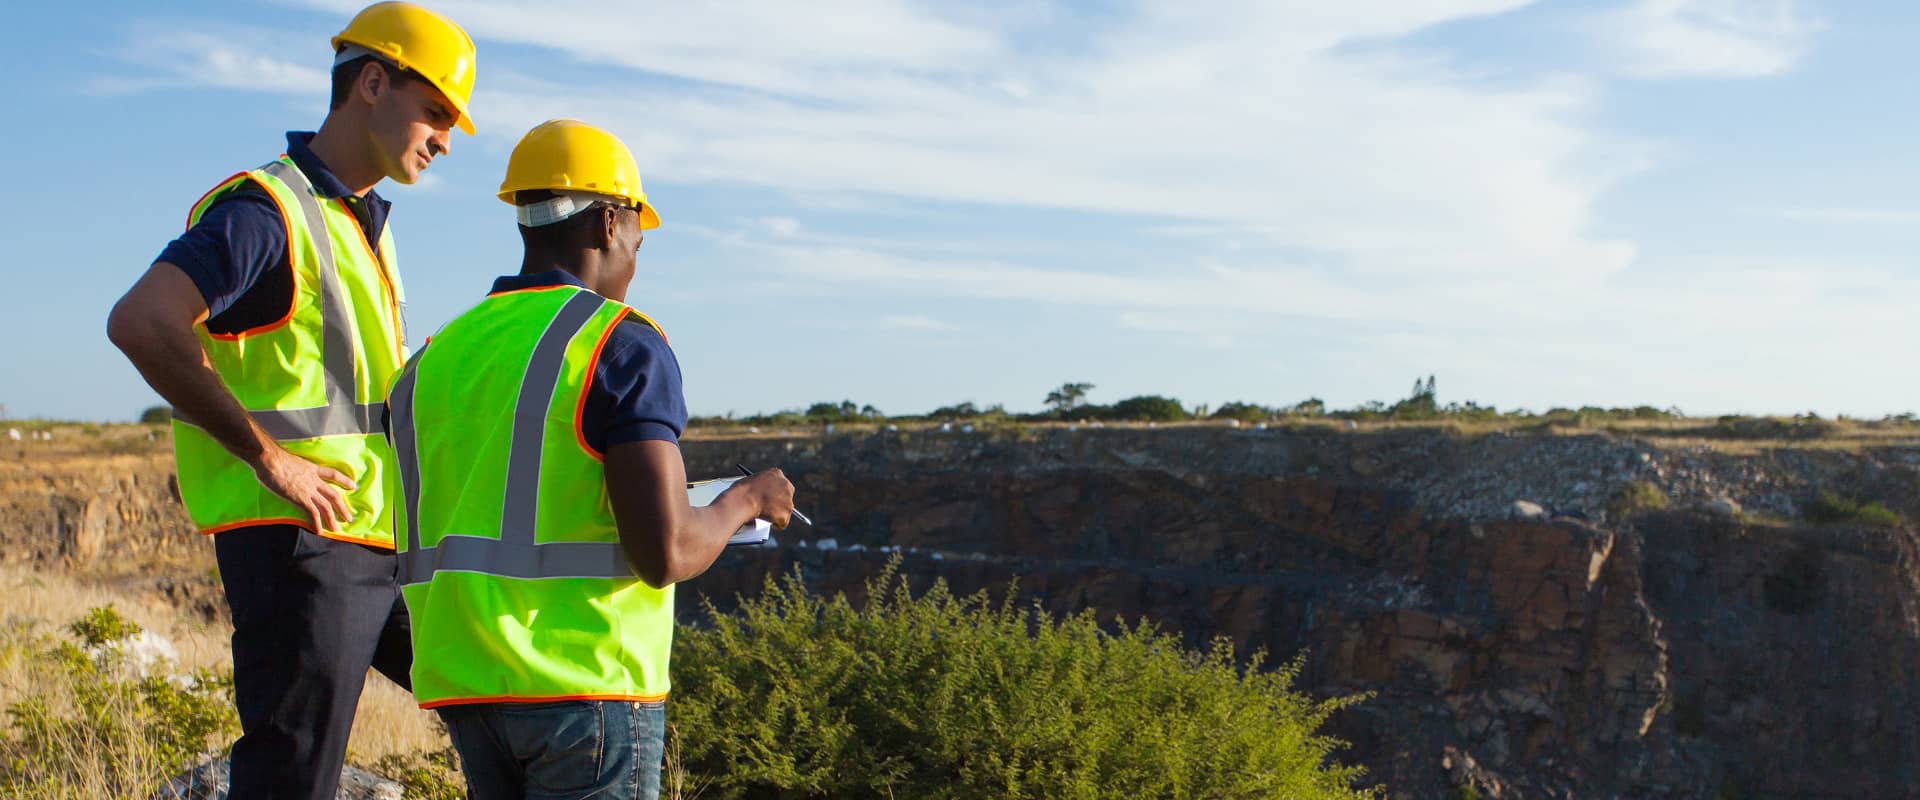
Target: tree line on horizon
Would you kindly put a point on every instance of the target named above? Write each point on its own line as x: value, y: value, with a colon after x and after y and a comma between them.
x: 1069, y: 403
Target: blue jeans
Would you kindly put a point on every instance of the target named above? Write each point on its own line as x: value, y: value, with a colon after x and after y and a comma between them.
x: 564, y: 750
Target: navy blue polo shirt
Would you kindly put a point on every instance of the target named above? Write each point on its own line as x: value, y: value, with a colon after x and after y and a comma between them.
x: 236, y: 254
x: 635, y: 395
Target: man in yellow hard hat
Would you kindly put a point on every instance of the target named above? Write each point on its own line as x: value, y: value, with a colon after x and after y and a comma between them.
x: 273, y: 326
x: 544, y: 516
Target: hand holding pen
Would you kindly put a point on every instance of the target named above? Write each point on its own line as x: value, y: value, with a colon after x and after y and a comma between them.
x: 796, y: 512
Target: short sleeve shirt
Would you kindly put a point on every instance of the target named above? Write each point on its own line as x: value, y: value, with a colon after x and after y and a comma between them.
x: 636, y: 393
x: 236, y: 253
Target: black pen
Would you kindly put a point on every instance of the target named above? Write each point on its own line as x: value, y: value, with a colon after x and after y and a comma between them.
x: 796, y: 512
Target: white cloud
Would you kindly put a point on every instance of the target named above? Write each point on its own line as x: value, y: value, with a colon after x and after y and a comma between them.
x: 915, y: 322
x: 780, y: 226
x: 1246, y: 114
x: 1893, y: 216
x: 221, y: 56
x: 1708, y: 38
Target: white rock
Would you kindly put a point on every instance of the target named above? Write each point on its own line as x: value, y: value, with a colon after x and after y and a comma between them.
x: 827, y: 544
x: 1233, y: 423
x: 829, y: 427
x: 946, y: 427
x: 1525, y: 509
x: 13, y: 433
x: 1724, y: 506
x: 966, y: 428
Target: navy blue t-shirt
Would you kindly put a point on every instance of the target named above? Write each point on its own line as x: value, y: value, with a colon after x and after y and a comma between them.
x: 636, y: 394
x: 236, y: 254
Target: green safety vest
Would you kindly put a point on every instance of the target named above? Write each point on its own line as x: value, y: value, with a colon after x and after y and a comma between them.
x: 315, y: 378
x: 510, y: 560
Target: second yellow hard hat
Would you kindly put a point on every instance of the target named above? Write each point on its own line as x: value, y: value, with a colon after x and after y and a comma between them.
x: 419, y: 40
x: 567, y: 154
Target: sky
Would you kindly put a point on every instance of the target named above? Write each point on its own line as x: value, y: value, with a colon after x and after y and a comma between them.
x: 1703, y: 204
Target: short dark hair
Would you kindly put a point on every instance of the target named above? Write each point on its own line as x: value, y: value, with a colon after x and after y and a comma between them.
x: 346, y: 72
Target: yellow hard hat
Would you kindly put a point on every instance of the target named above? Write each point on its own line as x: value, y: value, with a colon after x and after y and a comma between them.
x: 570, y: 155
x: 421, y: 41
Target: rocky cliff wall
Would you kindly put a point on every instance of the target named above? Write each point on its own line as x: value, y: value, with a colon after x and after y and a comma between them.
x: 1685, y: 653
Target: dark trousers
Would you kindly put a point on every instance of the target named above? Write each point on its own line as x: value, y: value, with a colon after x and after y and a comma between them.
x: 310, y: 615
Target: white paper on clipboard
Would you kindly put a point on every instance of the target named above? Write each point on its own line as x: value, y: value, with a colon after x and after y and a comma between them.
x: 703, y: 493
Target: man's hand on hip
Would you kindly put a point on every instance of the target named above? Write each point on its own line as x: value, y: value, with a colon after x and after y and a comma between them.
x: 321, y: 491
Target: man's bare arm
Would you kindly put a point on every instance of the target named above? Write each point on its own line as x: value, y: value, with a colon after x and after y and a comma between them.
x: 666, y: 538
x: 153, y: 325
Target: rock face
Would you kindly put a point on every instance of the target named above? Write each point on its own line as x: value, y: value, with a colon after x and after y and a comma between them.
x: 1673, y: 654
x: 1563, y: 653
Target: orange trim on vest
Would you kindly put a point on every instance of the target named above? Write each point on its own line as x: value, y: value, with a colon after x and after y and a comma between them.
x: 553, y: 288
x: 467, y: 701
x: 386, y: 282
x: 249, y: 523
x: 305, y: 525
x: 210, y: 192
x: 580, y: 406
x: 293, y: 297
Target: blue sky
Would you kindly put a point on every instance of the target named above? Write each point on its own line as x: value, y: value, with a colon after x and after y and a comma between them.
x: 1701, y: 203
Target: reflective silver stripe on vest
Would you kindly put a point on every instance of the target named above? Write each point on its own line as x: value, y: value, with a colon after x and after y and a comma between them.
x: 407, y: 453
x: 341, y: 415
x: 514, y: 554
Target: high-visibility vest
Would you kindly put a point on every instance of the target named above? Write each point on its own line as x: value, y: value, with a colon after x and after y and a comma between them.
x: 510, y: 559
x: 314, y: 379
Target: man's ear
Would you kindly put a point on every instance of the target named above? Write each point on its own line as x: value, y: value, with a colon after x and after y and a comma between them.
x: 372, y: 80
x: 609, y: 226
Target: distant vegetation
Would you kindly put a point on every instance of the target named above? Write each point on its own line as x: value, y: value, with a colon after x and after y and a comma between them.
x: 1831, y: 508
x: 1068, y: 404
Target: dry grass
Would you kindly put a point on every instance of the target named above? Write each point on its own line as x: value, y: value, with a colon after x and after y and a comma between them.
x: 388, y: 723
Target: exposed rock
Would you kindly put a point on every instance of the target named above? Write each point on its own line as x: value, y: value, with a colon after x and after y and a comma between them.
x: 210, y: 781
x: 1724, y: 506
x: 1676, y: 654
x: 1523, y: 509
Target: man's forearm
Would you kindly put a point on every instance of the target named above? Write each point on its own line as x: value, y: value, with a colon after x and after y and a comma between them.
x: 171, y: 361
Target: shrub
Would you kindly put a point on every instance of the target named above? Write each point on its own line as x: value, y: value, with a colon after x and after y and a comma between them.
x: 91, y: 726
x: 1634, y: 498
x: 938, y: 696
x: 156, y: 415
x: 1828, y: 507
x: 1244, y: 412
x: 1148, y: 408
x: 432, y: 776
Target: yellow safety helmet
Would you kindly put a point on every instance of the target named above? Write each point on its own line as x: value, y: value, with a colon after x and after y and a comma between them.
x: 420, y: 41
x: 570, y: 155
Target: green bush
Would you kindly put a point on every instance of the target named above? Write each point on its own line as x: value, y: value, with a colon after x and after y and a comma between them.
x: 1634, y: 498
x: 1828, y: 507
x: 90, y: 726
x: 1148, y: 408
x: 432, y: 776
x: 938, y: 696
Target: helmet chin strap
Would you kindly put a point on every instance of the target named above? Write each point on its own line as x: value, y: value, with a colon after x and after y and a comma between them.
x: 563, y: 205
